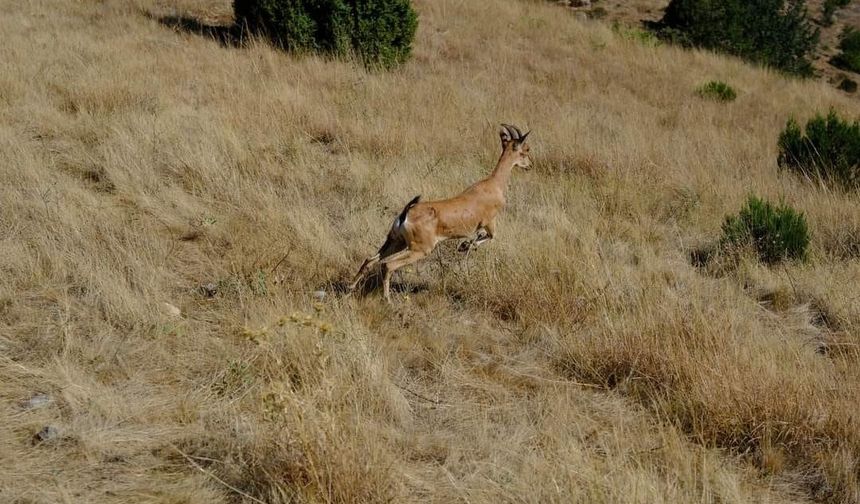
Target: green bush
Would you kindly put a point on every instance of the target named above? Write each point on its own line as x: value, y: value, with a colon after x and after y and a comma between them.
x: 380, y: 32
x: 775, y: 233
x: 598, y: 13
x: 643, y: 37
x: 829, y: 151
x: 717, y: 90
x: 848, y: 85
x: 776, y: 33
x: 849, y: 55
x: 829, y: 8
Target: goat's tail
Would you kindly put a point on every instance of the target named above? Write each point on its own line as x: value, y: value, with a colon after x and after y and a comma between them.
x: 401, y: 219
x: 395, y: 240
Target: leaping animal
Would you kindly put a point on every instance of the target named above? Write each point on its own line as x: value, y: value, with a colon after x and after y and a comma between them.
x: 471, y: 214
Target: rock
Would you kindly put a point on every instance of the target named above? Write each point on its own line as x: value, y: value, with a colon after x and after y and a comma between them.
x: 37, y: 401
x: 209, y: 289
x: 48, y: 433
x: 319, y: 295
x: 170, y: 310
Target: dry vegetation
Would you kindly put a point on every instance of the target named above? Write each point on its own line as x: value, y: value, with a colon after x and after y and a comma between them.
x: 637, y: 12
x: 579, y: 357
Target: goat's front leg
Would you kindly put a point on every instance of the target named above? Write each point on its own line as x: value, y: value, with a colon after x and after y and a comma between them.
x: 470, y: 243
x: 480, y: 239
x: 483, y: 239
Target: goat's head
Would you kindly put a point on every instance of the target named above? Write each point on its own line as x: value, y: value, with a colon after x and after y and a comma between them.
x: 514, y: 141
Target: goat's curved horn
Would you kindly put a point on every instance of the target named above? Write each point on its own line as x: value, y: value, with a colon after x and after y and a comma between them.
x: 512, y: 131
x: 519, y: 133
x: 523, y: 138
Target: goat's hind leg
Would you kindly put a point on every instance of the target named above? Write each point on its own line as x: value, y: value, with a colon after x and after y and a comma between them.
x: 370, y: 261
x: 391, y: 246
x: 393, y: 263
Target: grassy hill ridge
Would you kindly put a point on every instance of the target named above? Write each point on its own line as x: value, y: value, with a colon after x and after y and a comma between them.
x: 579, y: 357
x: 639, y: 12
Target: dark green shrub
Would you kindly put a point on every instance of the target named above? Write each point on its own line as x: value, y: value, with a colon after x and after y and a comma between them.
x: 775, y: 233
x: 776, y: 33
x: 829, y: 151
x: 829, y: 8
x: 380, y: 32
x: 849, y: 55
x: 717, y: 90
x: 848, y: 85
x: 598, y: 13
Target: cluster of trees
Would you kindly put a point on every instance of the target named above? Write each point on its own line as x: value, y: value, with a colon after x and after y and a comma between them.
x: 775, y: 33
x: 378, y: 32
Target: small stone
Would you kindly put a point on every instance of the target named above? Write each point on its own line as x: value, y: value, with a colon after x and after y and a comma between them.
x: 319, y: 295
x: 209, y: 289
x: 37, y: 401
x: 47, y: 433
x: 170, y: 310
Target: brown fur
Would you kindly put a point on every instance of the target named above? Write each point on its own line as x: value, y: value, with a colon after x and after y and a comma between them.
x: 466, y: 215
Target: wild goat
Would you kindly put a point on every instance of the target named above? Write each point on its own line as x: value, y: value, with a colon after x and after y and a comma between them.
x: 472, y: 213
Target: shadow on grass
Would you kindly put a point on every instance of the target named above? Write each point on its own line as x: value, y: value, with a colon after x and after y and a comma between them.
x: 227, y: 35
x: 373, y: 283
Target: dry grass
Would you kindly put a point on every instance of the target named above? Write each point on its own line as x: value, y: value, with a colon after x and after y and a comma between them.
x: 577, y: 358
x: 636, y: 12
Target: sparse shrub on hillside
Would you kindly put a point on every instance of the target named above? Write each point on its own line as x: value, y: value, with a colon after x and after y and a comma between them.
x: 848, y: 85
x: 380, y: 32
x: 598, y: 13
x: 774, y: 232
x: 829, y: 8
x: 718, y: 91
x: 643, y: 37
x: 775, y: 33
x: 849, y: 47
x: 828, y: 151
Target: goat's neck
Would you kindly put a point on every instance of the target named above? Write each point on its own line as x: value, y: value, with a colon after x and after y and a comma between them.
x: 502, y: 172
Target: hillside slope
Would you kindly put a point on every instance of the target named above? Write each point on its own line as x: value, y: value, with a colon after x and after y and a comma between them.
x: 639, y: 12
x: 148, y: 167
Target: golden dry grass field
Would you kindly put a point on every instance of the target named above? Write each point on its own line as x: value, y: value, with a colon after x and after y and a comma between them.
x: 578, y: 357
